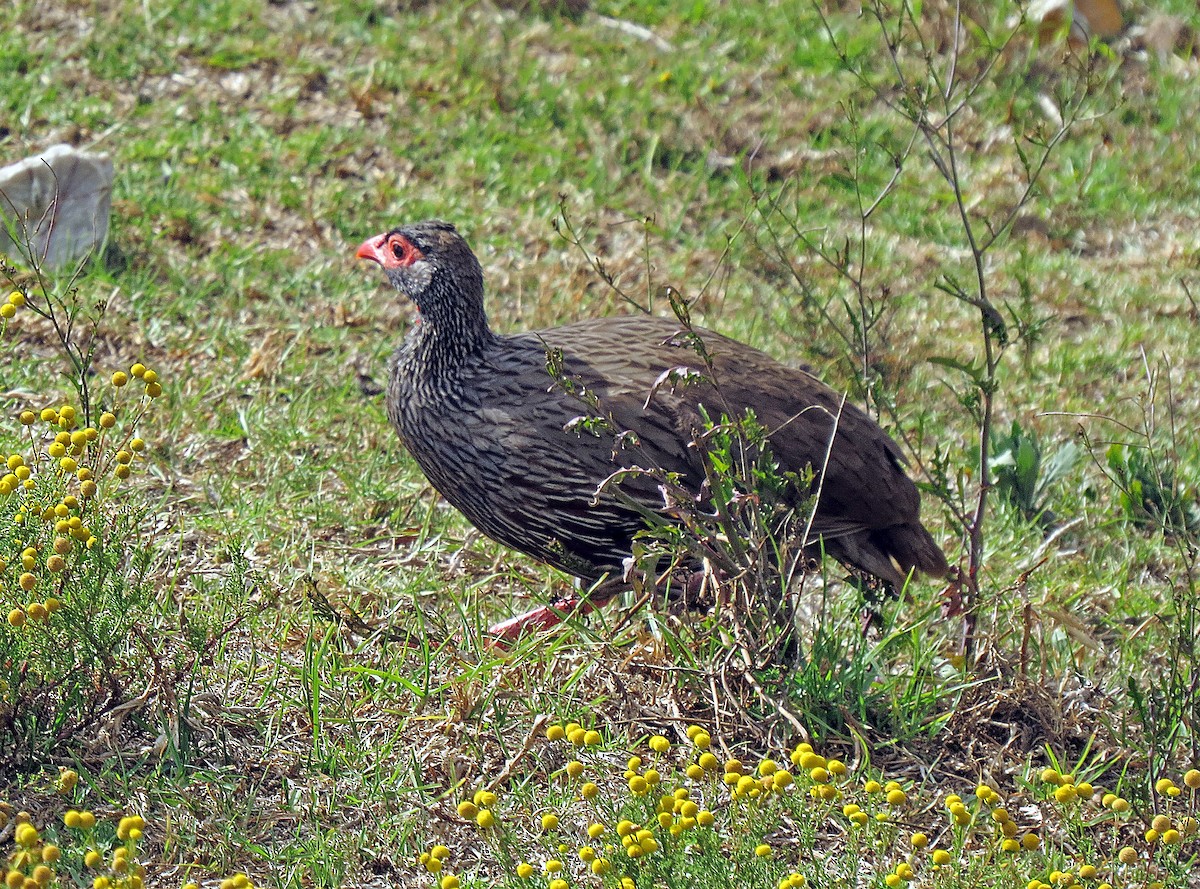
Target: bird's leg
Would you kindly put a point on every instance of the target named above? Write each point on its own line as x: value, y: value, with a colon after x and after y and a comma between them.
x: 547, y: 616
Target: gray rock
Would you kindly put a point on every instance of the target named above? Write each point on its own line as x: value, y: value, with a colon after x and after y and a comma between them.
x: 58, y: 201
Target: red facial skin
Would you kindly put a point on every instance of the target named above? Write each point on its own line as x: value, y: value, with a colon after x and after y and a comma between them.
x: 391, y: 251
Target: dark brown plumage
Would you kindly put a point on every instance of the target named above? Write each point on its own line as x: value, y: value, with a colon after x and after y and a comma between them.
x: 486, y: 422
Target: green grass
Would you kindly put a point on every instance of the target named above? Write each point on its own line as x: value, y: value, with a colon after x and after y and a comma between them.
x: 257, y: 144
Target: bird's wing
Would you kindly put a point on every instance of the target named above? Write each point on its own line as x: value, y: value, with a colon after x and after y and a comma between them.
x: 863, y: 484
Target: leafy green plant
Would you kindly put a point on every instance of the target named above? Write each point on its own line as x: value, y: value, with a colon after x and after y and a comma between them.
x: 73, y: 554
x: 1149, y: 492
x: 937, y: 89
x: 1024, y: 475
x: 1146, y: 472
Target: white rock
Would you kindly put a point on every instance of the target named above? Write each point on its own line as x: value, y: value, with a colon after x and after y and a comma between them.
x: 59, y: 201
x: 1101, y: 18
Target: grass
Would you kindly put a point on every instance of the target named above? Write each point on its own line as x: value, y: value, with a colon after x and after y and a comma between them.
x: 311, y: 696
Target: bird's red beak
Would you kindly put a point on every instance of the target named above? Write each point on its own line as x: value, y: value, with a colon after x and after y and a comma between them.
x: 372, y: 249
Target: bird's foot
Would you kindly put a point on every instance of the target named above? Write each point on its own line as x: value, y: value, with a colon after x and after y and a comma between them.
x: 506, y: 632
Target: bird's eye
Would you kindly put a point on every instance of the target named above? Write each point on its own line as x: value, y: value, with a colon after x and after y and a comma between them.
x: 404, y: 252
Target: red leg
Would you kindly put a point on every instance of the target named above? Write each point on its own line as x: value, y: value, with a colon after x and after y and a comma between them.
x: 543, y: 618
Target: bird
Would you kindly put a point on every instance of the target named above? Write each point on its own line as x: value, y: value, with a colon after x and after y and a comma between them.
x: 499, y: 436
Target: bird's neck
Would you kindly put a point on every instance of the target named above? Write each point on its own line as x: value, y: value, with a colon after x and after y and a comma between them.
x: 444, y: 340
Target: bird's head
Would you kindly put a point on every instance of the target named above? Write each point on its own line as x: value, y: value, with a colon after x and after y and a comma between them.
x: 431, y: 264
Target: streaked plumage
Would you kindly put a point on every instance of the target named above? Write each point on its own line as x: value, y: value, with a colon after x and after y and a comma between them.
x: 484, y: 419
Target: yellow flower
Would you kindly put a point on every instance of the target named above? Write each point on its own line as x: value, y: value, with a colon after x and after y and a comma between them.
x: 26, y: 835
x: 449, y: 882
x: 1191, y: 777
x: 550, y: 821
x: 128, y: 825
x: 589, y: 790
x: 919, y: 840
x: 525, y: 870
x: 574, y: 768
x: 659, y: 744
x: 1065, y: 793
x: 811, y: 761
x: 485, y: 819
x: 762, y: 850
x: 16, y: 618
x: 591, y: 738
x: 940, y: 857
